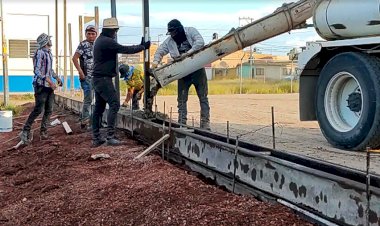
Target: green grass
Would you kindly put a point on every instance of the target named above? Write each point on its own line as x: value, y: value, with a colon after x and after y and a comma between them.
x: 16, y: 97
x: 15, y: 109
x: 221, y: 87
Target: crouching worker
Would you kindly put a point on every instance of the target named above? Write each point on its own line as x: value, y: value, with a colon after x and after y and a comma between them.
x: 134, y: 77
x: 43, y: 88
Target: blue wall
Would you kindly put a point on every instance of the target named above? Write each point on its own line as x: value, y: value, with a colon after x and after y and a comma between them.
x: 23, y: 83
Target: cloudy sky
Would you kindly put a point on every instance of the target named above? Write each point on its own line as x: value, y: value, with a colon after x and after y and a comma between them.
x: 208, y: 16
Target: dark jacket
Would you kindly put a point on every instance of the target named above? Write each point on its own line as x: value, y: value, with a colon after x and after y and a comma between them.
x: 105, y: 55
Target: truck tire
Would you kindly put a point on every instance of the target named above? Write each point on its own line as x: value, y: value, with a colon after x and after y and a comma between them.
x: 348, y: 101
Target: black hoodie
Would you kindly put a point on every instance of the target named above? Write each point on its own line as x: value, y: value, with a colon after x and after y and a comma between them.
x: 105, y: 54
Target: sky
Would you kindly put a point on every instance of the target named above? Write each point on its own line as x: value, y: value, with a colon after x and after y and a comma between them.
x: 208, y: 16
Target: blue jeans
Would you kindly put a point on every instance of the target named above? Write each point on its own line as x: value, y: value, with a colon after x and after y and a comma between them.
x: 88, y: 92
x: 199, y: 80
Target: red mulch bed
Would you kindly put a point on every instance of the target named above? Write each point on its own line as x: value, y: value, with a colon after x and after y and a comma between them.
x: 54, y: 183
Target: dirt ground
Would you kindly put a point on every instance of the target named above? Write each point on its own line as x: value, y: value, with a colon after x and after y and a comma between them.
x: 252, y: 112
x: 54, y: 182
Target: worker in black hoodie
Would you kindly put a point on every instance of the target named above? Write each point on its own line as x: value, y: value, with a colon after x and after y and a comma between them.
x: 105, y: 57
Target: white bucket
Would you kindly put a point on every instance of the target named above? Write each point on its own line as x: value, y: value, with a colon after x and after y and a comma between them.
x: 6, y: 121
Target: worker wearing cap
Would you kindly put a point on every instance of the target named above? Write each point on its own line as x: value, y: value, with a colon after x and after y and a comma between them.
x: 134, y: 78
x: 182, y: 41
x: 84, y: 54
x: 105, y: 58
x: 43, y: 88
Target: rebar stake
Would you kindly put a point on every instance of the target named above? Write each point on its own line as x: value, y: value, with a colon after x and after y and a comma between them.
x: 368, y: 185
x: 170, y: 128
x: 235, y: 163
x: 273, y: 130
x: 163, y: 133
x: 132, y: 134
x: 155, y: 107
x: 228, y: 132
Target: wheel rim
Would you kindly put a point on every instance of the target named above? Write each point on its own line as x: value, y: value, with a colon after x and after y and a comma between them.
x: 342, y: 115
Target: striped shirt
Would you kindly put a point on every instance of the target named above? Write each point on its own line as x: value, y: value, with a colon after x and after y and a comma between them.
x: 43, y: 67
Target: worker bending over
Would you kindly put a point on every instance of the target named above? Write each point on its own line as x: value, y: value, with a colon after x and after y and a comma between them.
x: 134, y: 78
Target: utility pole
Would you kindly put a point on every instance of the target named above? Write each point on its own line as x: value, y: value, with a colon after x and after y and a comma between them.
x: 158, y: 39
x: 5, y: 60
x: 97, y: 17
x: 113, y: 14
x: 250, y: 20
x: 146, y: 55
x: 64, y: 47
x: 71, y: 62
x: 80, y: 28
x: 56, y: 38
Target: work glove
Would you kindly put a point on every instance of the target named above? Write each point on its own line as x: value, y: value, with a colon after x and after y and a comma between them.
x: 153, y: 65
x: 145, y: 44
x: 59, y: 81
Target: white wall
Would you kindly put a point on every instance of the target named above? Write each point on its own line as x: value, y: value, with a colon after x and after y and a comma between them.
x: 41, y: 19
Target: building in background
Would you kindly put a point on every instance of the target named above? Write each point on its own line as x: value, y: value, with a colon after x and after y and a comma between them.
x: 23, y: 23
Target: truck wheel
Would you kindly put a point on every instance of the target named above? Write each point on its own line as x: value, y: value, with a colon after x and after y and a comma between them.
x: 348, y: 101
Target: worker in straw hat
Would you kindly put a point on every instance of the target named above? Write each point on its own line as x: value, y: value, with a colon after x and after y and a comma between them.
x: 105, y: 57
x: 43, y: 88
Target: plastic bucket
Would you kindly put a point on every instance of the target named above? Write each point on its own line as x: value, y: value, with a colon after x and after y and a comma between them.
x: 6, y: 121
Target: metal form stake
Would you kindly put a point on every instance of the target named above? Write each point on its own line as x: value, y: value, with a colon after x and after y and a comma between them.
x: 71, y: 62
x: 146, y: 55
x: 235, y: 163
x: 132, y: 120
x: 192, y: 119
x: 163, y: 134
x: 170, y: 128
x: 368, y: 185
x: 155, y: 106
x: 228, y: 132
x: 80, y: 22
x: 273, y: 130
x: 64, y: 46
x: 113, y: 14
x: 5, y: 59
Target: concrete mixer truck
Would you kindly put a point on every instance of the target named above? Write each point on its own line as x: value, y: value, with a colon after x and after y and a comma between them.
x: 340, y: 77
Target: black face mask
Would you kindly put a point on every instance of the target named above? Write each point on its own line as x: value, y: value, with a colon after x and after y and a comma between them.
x: 178, y: 35
x: 109, y: 32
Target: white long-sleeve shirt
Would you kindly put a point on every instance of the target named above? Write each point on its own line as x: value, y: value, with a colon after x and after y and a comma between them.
x: 170, y: 46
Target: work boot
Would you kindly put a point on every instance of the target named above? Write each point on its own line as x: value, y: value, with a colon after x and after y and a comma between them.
x: 113, y: 142
x: 26, y: 137
x: 98, y: 142
x: 205, y: 125
x: 44, y: 135
x: 84, y: 124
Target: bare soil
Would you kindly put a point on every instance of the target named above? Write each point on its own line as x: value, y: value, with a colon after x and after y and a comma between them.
x: 252, y: 113
x: 54, y: 182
